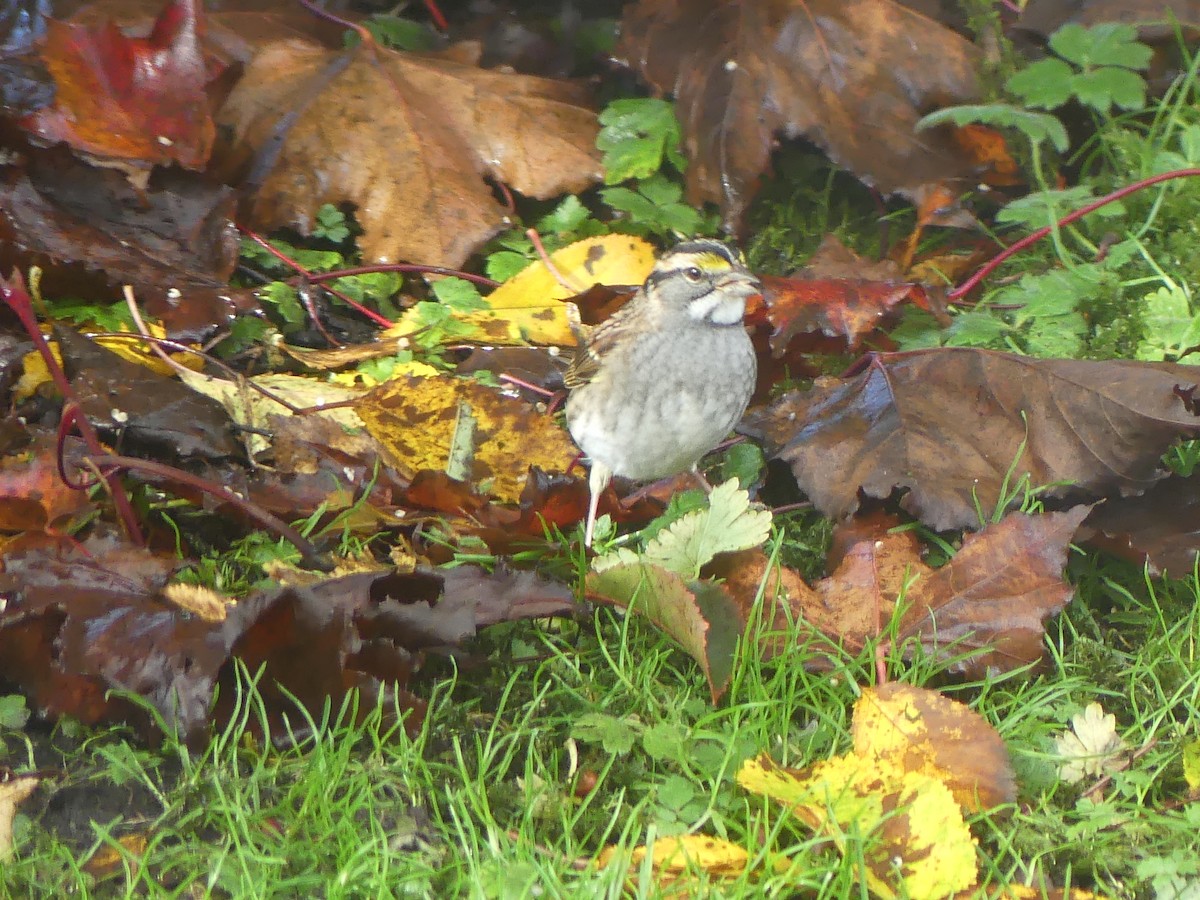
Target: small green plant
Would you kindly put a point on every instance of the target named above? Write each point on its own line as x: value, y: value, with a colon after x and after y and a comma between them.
x: 642, y: 164
x: 1097, y: 67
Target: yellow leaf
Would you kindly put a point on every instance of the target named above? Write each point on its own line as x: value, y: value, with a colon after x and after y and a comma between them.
x: 253, y: 409
x: 526, y: 309
x: 910, y: 827
x: 134, y: 348
x: 923, y: 731
x: 417, y: 421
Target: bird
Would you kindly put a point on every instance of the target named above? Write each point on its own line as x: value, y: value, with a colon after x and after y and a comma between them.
x: 665, y: 379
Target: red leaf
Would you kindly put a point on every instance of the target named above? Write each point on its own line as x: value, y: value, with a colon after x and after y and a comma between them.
x: 136, y: 99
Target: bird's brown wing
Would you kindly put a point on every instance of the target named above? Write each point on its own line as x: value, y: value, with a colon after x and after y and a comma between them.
x: 594, y: 342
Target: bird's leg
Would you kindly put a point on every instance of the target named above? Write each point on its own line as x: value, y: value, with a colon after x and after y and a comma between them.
x: 701, y: 481
x: 598, y: 480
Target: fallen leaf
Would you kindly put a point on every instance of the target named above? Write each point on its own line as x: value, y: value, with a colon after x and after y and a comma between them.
x: 32, y: 495
x: 906, y: 825
x: 673, y: 859
x: 12, y: 792
x: 408, y: 139
x: 846, y: 308
x: 83, y: 623
x: 416, y: 421
x: 152, y: 413
x: 1160, y: 529
x: 982, y: 612
x: 851, y: 77
x: 141, y: 101
x: 254, y: 409
x: 1090, y: 747
x: 173, y: 241
x: 925, y: 731
x: 957, y: 427
x: 528, y: 308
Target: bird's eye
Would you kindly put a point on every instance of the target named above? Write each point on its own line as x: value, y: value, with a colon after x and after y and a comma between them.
x: 692, y: 274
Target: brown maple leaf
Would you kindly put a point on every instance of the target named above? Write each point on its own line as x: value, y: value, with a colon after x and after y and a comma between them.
x: 409, y: 139
x: 984, y: 611
x: 852, y: 76
x: 957, y: 427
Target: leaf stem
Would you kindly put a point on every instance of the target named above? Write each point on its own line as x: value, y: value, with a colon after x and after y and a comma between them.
x: 991, y: 265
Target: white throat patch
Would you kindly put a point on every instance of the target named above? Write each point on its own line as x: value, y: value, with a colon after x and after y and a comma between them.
x: 717, y: 310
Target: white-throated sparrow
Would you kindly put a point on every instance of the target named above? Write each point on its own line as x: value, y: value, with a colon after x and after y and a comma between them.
x: 665, y: 379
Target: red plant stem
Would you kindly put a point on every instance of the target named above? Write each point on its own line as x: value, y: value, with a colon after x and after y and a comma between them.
x: 337, y: 20
x: 19, y: 302
x: 536, y: 240
x: 311, y: 277
x: 521, y: 383
x: 312, y: 557
x: 991, y: 265
x: 317, y: 277
x: 436, y: 14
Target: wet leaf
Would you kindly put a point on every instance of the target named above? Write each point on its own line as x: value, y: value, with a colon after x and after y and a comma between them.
x: 408, y: 139
x: 851, y: 77
x: 416, y: 420
x: 956, y: 427
x: 80, y: 620
x: 138, y: 100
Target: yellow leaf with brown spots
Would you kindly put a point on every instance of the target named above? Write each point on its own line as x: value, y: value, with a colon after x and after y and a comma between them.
x: 528, y: 308
x: 907, y: 826
x: 924, y: 731
x: 495, y: 439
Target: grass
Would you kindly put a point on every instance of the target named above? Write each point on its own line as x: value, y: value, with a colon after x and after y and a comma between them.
x: 574, y: 736
x: 524, y: 771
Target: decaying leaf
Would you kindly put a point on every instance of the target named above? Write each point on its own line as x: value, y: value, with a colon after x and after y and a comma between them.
x: 884, y: 801
x: 851, y: 77
x: 254, y: 409
x: 82, y: 624
x: 409, y: 140
x: 528, y: 308
x: 982, y: 612
x: 954, y: 426
x: 927, y: 732
x: 140, y: 101
x: 674, y: 857
x: 1090, y: 747
x: 417, y: 421
x: 12, y: 792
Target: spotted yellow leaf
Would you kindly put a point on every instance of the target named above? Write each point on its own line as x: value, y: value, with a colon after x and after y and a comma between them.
x: 446, y: 423
x: 528, y: 308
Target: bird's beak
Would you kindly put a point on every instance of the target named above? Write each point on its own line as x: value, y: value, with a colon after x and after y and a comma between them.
x: 741, y: 283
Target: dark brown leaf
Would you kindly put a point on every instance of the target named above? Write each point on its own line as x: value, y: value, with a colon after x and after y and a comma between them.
x: 1160, y: 529
x: 77, y: 621
x: 953, y: 426
x: 988, y: 604
x: 174, y: 241
x: 851, y: 77
x: 149, y: 410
